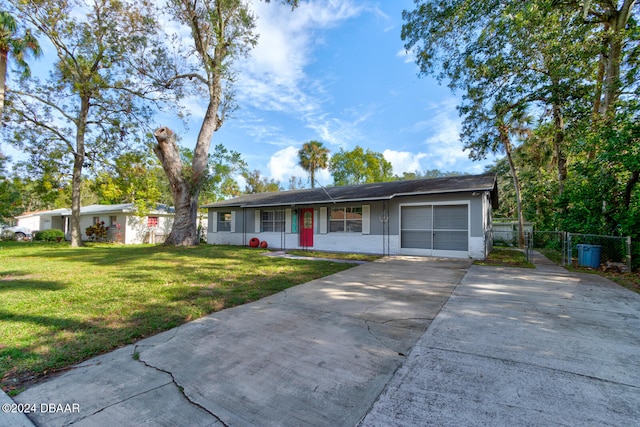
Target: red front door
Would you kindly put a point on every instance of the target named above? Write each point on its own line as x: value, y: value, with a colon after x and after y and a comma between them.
x: 306, y: 227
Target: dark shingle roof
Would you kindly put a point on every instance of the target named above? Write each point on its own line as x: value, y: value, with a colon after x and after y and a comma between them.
x: 363, y: 192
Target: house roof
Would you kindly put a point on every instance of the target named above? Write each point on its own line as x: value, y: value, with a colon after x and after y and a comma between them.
x: 61, y: 211
x: 121, y: 208
x: 368, y: 192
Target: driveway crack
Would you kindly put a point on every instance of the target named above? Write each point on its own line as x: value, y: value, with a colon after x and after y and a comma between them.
x: 178, y: 386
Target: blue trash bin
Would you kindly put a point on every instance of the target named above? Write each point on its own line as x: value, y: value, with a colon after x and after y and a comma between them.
x: 581, y: 255
x: 589, y: 255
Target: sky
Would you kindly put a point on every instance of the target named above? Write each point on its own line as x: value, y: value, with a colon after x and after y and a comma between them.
x: 336, y: 71
x: 333, y: 71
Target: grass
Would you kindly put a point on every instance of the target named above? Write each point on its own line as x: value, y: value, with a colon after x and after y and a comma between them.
x: 506, y: 258
x: 335, y: 255
x: 628, y: 280
x: 60, y: 306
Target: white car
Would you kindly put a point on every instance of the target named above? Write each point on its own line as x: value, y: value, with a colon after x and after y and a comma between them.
x: 19, y: 233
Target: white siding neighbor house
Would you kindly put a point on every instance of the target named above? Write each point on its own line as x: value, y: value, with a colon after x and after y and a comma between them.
x: 123, y: 225
x: 43, y: 220
x: 449, y: 217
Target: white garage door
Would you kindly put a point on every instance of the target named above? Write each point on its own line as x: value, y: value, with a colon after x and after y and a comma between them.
x: 437, y: 230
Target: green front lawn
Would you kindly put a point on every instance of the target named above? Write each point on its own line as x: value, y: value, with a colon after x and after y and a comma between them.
x: 59, y: 306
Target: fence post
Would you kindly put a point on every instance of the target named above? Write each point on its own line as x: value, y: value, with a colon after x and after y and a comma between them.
x: 629, y: 254
x: 569, y: 254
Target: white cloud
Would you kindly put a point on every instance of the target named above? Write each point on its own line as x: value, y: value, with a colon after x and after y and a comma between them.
x: 404, y: 161
x: 443, y: 146
x: 408, y: 56
x: 284, y: 163
x: 273, y: 76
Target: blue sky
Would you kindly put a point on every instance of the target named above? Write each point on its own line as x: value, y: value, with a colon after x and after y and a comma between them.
x: 334, y: 71
x: 337, y: 72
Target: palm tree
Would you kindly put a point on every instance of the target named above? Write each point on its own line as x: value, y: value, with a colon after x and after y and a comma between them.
x: 513, y: 121
x: 19, y: 48
x: 313, y: 156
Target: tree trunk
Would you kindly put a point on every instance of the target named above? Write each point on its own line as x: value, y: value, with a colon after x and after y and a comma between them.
x: 185, y: 196
x: 76, y: 182
x: 614, y: 29
x: 558, y: 142
x: 504, y: 136
x: 3, y: 78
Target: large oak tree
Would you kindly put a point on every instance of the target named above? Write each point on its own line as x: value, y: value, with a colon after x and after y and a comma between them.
x: 221, y: 31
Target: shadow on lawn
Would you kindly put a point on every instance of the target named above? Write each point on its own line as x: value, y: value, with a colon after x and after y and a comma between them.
x: 18, y: 280
x: 105, y: 254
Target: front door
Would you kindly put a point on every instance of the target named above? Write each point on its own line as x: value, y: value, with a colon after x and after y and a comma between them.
x: 306, y: 227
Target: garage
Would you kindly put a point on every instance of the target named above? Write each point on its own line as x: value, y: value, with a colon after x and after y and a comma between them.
x: 435, y: 230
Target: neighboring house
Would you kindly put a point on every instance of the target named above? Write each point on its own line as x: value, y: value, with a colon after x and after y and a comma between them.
x: 505, y: 231
x: 450, y: 217
x: 43, y: 220
x: 124, y: 225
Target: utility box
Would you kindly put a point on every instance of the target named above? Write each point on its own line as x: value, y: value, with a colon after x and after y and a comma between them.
x: 589, y: 255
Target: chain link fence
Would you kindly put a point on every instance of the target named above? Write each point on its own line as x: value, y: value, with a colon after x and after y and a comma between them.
x: 580, y: 250
x: 595, y: 251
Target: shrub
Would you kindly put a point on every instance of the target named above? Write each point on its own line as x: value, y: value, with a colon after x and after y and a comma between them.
x: 49, y: 235
x: 97, y: 232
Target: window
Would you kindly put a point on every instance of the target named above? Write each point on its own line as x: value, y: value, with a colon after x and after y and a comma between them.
x: 96, y: 220
x: 224, y: 221
x: 345, y: 220
x: 152, y: 222
x: 272, y: 221
x: 113, y: 220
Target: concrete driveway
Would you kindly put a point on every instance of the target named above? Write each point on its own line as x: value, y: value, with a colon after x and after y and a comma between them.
x: 318, y: 354
x: 508, y: 347
x: 516, y: 347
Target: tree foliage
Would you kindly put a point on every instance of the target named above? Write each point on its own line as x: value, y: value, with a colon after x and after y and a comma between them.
x: 313, y: 156
x: 256, y: 183
x: 359, y: 166
x: 572, y: 68
x: 93, y: 102
x: 19, y: 47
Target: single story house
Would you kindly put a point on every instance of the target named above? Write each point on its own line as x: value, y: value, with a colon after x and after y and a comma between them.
x: 123, y: 225
x: 449, y: 217
x: 43, y: 220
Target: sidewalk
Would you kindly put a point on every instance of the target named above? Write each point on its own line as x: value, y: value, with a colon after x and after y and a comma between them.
x: 522, y: 347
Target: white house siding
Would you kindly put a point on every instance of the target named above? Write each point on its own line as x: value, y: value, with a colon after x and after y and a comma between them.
x: 31, y: 223
x: 133, y: 229
x: 477, y: 248
x: 138, y: 231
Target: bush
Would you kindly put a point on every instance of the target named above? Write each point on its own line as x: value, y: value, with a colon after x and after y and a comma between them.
x: 49, y: 235
x: 97, y: 232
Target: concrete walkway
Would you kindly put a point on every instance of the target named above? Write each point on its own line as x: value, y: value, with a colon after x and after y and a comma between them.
x: 515, y: 347
x: 508, y: 347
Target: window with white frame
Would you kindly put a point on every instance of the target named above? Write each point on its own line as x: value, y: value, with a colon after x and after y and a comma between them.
x: 224, y: 221
x: 272, y: 221
x: 345, y: 220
